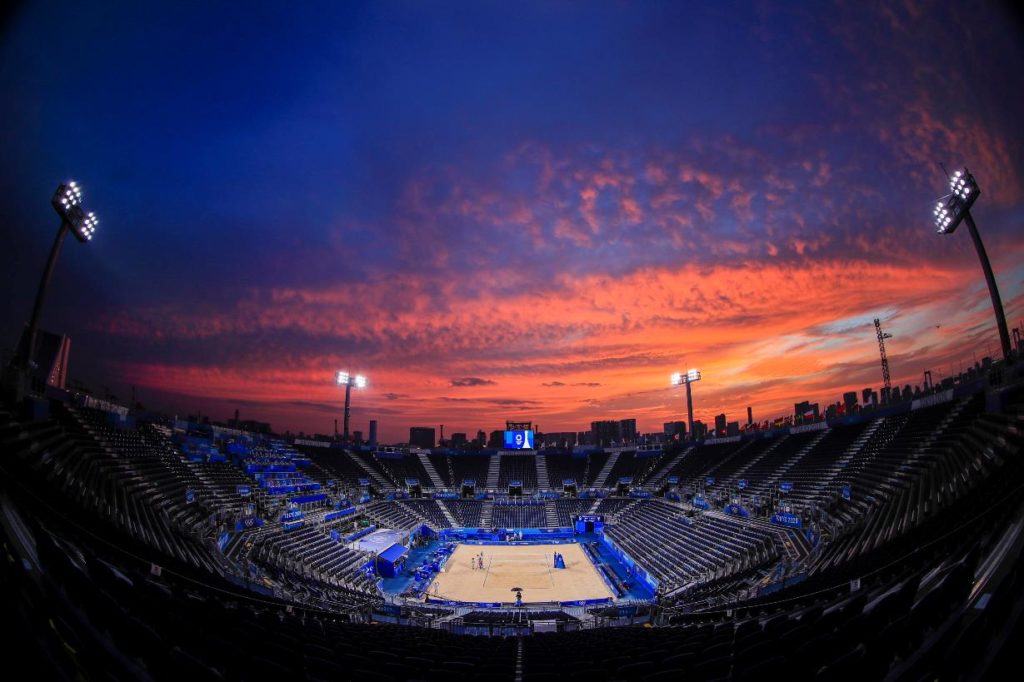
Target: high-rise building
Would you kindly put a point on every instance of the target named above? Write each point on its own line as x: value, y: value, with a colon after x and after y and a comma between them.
x: 604, y: 432
x: 750, y: 415
x: 373, y: 432
x: 700, y: 429
x: 421, y: 436
x: 732, y: 429
x: 720, y: 425
x: 458, y: 440
x: 672, y: 429
x: 850, y: 401
x: 627, y: 430
x: 497, y: 439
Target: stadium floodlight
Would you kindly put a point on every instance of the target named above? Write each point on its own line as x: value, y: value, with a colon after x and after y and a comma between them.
x: 679, y: 378
x: 67, y: 201
x: 954, y: 209
x: 348, y: 381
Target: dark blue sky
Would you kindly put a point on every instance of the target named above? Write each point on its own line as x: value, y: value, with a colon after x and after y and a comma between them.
x: 531, y: 194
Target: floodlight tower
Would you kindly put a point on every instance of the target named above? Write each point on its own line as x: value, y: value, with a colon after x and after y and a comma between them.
x: 955, y: 208
x: 691, y: 376
x: 67, y: 201
x: 348, y: 381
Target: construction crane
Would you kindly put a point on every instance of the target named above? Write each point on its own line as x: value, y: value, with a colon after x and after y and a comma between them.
x: 881, y: 351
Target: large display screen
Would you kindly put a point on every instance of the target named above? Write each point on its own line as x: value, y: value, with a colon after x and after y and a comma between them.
x: 519, y: 440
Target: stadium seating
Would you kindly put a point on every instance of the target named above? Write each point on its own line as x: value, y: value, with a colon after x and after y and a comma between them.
x: 518, y: 514
x: 518, y: 467
x: 127, y: 554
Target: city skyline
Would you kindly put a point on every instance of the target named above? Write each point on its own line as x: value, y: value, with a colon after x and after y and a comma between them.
x: 497, y: 214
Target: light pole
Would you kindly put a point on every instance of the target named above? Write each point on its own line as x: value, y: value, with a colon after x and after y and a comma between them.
x: 347, y: 380
x: 955, y: 208
x: 691, y: 376
x: 67, y: 201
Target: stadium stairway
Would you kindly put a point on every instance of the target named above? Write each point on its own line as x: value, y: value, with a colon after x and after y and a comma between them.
x: 543, y: 482
x: 858, y: 445
x: 493, y: 471
x: 486, y: 511
x: 550, y: 513
x: 382, y: 483
x: 793, y: 461
x: 428, y: 466
x: 602, y: 476
x: 662, y: 473
x: 738, y: 474
x: 452, y: 521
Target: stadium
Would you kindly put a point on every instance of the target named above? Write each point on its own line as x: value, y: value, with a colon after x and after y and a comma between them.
x: 346, y: 259
x: 867, y: 545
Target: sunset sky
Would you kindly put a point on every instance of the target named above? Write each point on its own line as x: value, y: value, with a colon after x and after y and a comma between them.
x: 510, y: 209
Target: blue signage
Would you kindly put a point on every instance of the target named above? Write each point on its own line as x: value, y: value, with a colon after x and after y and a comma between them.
x: 741, y: 484
x: 786, y: 486
x: 700, y: 502
x: 244, y: 491
x: 787, y: 520
x: 673, y: 480
x: 846, y: 492
x: 190, y: 496
x: 710, y: 480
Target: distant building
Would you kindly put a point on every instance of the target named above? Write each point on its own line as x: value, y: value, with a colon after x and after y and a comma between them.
x: 249, y: 425
x: 604, y: 432
x: 421, y: 436
x: 560, y: 439
x: 805, y: 410
x: 497, y: 439
x: 373, y: 432
x: 720, y: 425
x: 673, y: 429
x: 750, y: 415
x: 627, y: 431
x: 732, y: 429
x: 481, y: 439
x: 357, y: 436
x: 51, y: 355
x: 458, y: 440
x: 700, y: 429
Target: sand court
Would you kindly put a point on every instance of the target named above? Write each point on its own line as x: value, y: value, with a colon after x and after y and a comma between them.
x: 527, y: 566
